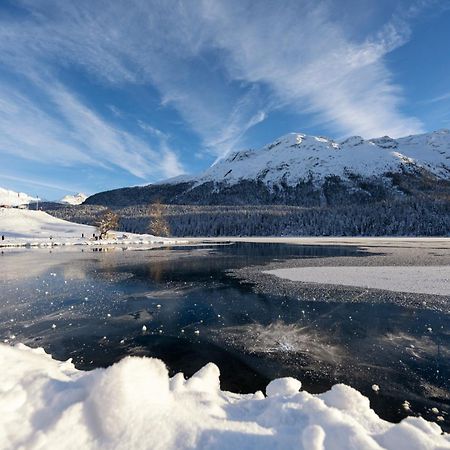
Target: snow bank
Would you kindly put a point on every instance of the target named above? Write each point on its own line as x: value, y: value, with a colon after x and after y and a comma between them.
x: 414, y: 279
x: 22, y: 227
x: 134, y: 404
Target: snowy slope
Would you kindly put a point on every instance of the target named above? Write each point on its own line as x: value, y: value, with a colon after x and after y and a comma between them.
x: 12, y: 198
x: 77, y: 199
x: 297, y: 157
x: 22, y: 227
x: 25, y: 223
x: 134, y: 404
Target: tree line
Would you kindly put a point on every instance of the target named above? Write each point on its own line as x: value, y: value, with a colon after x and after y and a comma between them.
x: 403, y: 217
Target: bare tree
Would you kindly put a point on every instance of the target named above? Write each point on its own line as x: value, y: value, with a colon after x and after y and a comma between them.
x: 158, y: 224
x: 107, y: 221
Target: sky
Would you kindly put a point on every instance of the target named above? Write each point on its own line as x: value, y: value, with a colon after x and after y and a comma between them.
x: 96, y: 95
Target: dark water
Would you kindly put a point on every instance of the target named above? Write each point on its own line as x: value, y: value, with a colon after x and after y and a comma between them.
x: 91, y: 306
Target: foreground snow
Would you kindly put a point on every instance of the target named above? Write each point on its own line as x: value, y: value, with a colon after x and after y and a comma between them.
x: 414, y: 279
x: 22, y: 227
x: 45, y: 403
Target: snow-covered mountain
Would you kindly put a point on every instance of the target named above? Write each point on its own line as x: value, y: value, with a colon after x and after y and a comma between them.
x: 12, y: 198
x: 296, y: 157
x: 304, y: 170
x: 77, y: 199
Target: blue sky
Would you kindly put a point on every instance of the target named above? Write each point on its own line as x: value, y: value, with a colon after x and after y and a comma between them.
x: 96, y: 95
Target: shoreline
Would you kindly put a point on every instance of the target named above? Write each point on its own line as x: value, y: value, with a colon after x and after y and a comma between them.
x: 139, y: 240
x: 382, y: 241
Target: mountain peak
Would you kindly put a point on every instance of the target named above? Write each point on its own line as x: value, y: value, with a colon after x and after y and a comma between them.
x: 385, y: 142
x: 296, y: 156
x: 76, y: 199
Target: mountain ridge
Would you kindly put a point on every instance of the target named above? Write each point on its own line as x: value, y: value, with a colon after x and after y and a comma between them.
x: 298, y: 169
x: 319, y: 157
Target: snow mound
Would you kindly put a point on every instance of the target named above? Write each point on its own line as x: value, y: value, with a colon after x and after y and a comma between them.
x: 77, y: 199
x: 283, y: 386
x: 45, y: 403
x: 12, y: 198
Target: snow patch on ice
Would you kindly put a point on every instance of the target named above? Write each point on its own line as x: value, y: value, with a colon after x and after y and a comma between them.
x: 413, y: 279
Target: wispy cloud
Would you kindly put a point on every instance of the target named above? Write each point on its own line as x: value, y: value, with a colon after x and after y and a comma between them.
x: 438, y: 98
x: 308, y: 60
x: 223, y: 65
x: 72, y: 134
x: 152, y: 130
x: 242, y: 117
x: 40, y: 183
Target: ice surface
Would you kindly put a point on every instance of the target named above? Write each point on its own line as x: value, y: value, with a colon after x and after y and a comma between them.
x: 45, y: 403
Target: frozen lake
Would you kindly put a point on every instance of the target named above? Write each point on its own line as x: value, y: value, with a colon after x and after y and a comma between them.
x: 184, y: 306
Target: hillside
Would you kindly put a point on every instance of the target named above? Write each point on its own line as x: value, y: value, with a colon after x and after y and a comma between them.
x: 12, y: 198
x: 23, y: 223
